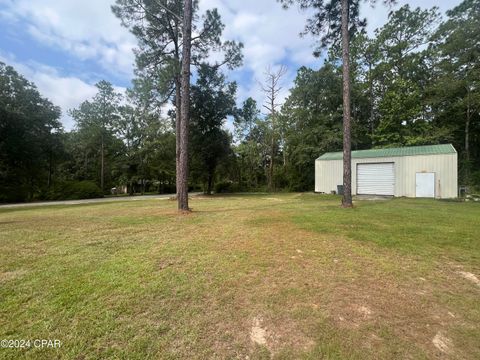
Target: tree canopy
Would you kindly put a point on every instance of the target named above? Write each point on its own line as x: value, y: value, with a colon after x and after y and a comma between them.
x: 415, y: 81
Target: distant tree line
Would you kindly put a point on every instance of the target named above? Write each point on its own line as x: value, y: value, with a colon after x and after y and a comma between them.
x: 415, y: 82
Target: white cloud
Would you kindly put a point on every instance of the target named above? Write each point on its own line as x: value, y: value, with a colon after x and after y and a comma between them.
x: 86, y: 29
x: 271, y: 35
x: 68, y: 92
x: 377, y: 15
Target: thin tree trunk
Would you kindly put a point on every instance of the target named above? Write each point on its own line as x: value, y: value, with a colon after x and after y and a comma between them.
x: 255, y: 167
x: 185, y: 107
x: 467, y: 140
x: 272, y: 89
x: 85, y: 165
x: 30, y: 191
x: 467, y: 137
x: 178, y: 121
x: 372, y: 111
x: 178, y: 106
x: 102, y: 165
x: 210, y: 184
x: 50, y: 170
x: 270, y: 173
x: 271, y: 185
x: 347, y: 145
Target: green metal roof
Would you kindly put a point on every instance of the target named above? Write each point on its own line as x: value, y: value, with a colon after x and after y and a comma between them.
x: 393, y: 152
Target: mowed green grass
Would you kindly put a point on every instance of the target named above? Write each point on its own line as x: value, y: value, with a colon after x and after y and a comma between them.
x: 136, y: 280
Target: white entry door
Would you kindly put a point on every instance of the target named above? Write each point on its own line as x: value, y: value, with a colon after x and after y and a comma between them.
x: 425, y: 185
x: 376, y: 179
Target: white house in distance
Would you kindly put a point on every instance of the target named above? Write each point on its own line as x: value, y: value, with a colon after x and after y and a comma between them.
x: 416, y: 171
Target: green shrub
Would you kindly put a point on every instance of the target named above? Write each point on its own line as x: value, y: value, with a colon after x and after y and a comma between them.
x: 224, y: 187
x: 193, y: 188
x: 475, y: 181
x: 75, y: 190
x: 12, y: 194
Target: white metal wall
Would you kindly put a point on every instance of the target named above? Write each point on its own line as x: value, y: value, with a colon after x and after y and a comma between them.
x: 329, y: 173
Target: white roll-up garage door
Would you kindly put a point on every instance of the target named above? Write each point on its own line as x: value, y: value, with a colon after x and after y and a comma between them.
x: 375, y: 179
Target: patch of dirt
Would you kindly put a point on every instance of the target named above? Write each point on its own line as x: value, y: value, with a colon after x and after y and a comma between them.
x: 258, y: 334
x: 167, y: 263
x: 369, y: 300
x: 442, y: 343
x: 471, y: 277
x: 365, y: 311
x: 11, y: 275
x: 354, y: 315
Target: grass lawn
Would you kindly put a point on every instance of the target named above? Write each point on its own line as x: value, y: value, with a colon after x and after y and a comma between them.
x: 288, y: 276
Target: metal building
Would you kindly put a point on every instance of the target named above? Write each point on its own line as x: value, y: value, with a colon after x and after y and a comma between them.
x: 416, y: 171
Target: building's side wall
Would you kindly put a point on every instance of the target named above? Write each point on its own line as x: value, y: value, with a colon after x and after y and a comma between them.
x: 443, y: 165
x: 329, y: 173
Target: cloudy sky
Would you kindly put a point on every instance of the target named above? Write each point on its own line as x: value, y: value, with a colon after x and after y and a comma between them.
x: 66, y: 46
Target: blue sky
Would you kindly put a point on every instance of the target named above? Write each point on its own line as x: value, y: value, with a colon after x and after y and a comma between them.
x: 66, y: 46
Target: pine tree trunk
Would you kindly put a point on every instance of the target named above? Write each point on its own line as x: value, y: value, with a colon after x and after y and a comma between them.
x: 467, y: 137
x: 178, y: 106
x: 185, y: 108
x: 347, y: 145
x: 210, y: 184
x: 50, y: 170
x: 102, y: 165
x: 467, y: 141
x: 270, y: 173
x: 85, y: 165
x: 372, y: 111
x: 178, y: 121
x: 271, y: 185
